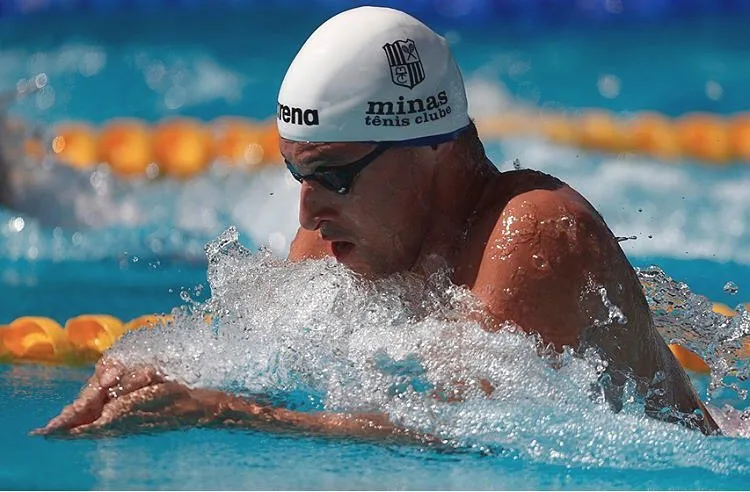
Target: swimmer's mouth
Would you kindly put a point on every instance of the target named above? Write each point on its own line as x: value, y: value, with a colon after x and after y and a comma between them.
x: 341, y: 249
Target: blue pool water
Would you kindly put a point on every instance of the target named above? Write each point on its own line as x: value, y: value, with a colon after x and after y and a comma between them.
x: 145, y: 253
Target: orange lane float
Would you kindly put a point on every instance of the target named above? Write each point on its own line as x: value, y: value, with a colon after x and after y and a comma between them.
x: 739, y: 136
x: 83, y: 339
x: 690, y: 360
x: 75, y: 145
x: 704, y: 137
x: 125, y: 144
x: 183, y: 147
x: 91, y: 334
x: 35, y: 338
x: 148, y: 321
x: 600, y: 130
x: 244, y: 143
x: 558, y: 129
x: 654, y: 134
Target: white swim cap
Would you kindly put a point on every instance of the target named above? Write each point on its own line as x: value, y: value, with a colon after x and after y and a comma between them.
x: 372, y: 74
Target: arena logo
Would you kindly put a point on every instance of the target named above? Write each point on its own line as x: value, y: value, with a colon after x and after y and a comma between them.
x: 406, y: 112
x: 297, y: 116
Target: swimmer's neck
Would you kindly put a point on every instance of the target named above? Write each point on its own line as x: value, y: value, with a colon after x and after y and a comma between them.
x: 461, y: 191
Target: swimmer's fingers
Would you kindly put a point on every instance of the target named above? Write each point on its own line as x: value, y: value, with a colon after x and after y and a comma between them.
x: 88, y: 406
x: 110, y: 381
x: 83, y: 410
x: 159, y: 406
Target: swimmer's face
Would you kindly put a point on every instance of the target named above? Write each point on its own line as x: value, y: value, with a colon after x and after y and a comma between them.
x: 378, y: 226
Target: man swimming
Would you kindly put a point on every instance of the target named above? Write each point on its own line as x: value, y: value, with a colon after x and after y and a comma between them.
x: 373, y: 120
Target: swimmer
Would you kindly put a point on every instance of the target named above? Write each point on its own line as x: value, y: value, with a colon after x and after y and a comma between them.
x: 373, y: 120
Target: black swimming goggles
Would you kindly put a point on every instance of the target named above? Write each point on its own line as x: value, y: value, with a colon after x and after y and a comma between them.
x: 339, y: 179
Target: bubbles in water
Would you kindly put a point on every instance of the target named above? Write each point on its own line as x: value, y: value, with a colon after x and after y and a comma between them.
x: 731, y: 288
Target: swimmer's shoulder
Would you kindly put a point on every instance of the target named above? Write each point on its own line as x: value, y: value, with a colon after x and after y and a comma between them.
x: 535, y: 197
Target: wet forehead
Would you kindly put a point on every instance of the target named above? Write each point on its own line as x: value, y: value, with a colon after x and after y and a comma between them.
x: 310, y: 154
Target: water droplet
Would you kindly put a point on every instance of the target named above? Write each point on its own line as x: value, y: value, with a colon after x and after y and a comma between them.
x: 731, y: 288
x: 609, y: 86
x: 17, y: 224
x: 539, y: 262
x: 714, y: 90
x: 40, y: 81
x: 625, y: 238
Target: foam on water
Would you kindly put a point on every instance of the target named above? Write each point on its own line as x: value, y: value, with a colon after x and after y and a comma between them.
x: 312, y: 335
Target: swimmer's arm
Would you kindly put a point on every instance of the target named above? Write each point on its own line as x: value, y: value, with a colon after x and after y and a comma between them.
x: 308, y: 245
x: 121, y: 400
x: 233, y: 411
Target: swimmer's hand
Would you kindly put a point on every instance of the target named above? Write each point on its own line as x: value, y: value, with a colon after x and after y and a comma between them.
x: 111, y: 380
x: 119, y: 400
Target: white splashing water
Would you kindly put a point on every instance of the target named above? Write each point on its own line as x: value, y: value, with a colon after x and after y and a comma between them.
x: 688, y: 319
x: 323, y: 338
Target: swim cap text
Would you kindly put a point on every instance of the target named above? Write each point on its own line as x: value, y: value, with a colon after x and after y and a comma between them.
x: 297, y: 116
x: 405, y: 112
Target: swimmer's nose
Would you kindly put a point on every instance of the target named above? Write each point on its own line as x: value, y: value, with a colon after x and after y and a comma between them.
x: 314, y: 205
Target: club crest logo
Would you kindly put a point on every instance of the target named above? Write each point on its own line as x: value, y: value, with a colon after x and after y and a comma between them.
x: 406, y: 66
